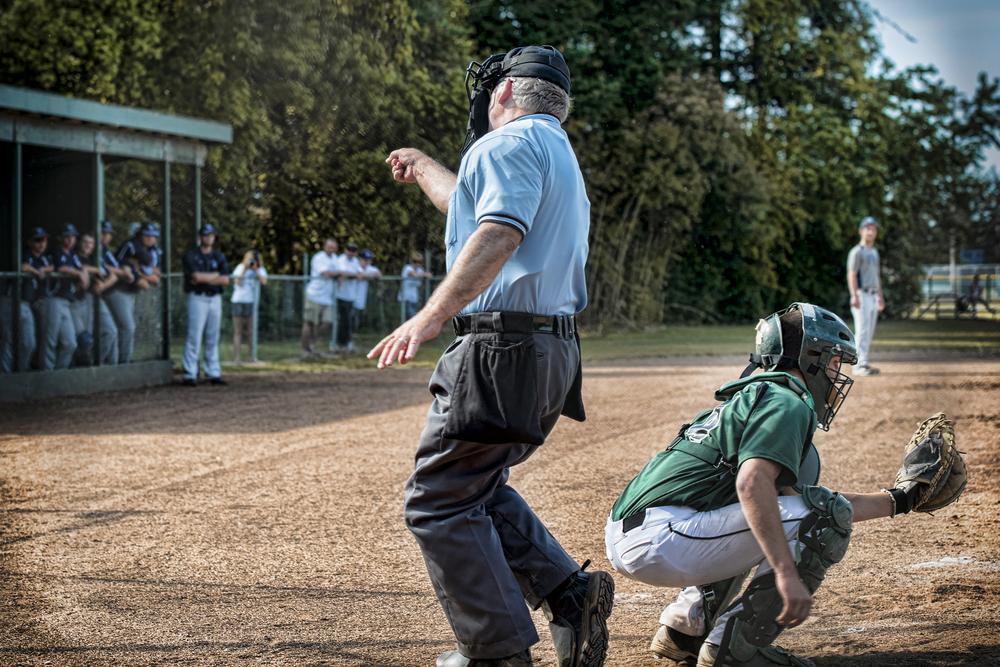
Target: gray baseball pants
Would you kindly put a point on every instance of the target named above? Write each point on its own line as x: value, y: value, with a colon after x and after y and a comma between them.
x: 58, y: 334
x: 485, y: 550
x: 83, y: 319
x: 26, y: 338
x: 122, y: 307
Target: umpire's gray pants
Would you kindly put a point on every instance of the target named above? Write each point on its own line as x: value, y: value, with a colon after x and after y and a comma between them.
x: 26, y: 336
x: 83, y: 319
x: 486, y: 551
x: 58, y: 334
x: 122, y: 306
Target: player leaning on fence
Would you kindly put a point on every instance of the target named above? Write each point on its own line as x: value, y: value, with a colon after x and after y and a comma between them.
x: 516, y: 236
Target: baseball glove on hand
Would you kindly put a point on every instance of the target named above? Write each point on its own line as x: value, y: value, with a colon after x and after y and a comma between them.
x: 933, y: 473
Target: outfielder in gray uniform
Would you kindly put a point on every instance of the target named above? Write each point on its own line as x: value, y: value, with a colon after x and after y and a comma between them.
x: 865, y: 286
x: 517, y: 224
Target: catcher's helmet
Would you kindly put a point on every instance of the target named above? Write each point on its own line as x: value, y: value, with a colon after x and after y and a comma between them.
x: 824, y: 336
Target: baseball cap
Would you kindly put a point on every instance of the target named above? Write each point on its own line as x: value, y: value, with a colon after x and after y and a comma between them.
x: 367, y: 254
x: 206, y: 229
x: 106, y: 226
x: 150, y: 229
x: 866, y: 221
x: 70, y: 230
x: 352, y: 246
x: 38, y: 233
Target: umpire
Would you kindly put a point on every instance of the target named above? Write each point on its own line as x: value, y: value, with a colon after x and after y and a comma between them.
x: 517, y: 223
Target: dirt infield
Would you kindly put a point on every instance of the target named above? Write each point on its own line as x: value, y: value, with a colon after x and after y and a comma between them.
x: 261, y: 523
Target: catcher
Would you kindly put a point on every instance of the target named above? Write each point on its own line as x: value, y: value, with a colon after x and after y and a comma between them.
x: 736, y: 490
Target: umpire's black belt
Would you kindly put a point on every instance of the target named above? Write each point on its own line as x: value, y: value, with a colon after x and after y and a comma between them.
x: 563, y: 326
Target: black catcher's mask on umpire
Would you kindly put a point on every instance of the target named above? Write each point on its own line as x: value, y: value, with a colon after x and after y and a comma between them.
x: 541, y: 62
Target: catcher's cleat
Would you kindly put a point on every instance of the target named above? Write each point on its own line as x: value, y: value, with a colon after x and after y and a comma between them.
x: 578, y: 619
x: 766, y: 656
x: 456, y: 659
x: 675, y: 645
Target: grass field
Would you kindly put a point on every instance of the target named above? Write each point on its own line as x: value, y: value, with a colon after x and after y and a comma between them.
x: 962, y: 337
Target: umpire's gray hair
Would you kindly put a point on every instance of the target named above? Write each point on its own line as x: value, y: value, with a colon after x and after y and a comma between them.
x: 540, y: 96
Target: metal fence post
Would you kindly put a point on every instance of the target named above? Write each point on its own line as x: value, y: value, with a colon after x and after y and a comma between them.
x: 253, y: 321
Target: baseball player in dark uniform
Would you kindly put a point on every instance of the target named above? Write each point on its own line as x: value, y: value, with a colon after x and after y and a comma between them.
x: 58, y: 330
x: 36, y: 267
x: 516, y: 235
x: 205, y: 274
x: 102, y: 279
x: 135, y: 262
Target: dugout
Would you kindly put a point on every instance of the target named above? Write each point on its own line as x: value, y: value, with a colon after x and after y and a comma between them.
x: 55, y: 157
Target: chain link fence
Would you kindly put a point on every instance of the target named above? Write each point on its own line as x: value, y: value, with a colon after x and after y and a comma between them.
x: 276, y: 327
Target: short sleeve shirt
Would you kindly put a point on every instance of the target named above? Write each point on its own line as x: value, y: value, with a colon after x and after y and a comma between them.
x: 757, y: 419
x: 525, y: 175
x: 245, y: 285
x: 33, y: 288
x: 864, y: 263
x: 66, y: 287
x: 347, y: 288
x: 320, y: 289
x: 196, y: 261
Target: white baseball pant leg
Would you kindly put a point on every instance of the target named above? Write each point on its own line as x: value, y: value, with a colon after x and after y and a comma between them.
x: 865, y: 317
x: 681, y: 547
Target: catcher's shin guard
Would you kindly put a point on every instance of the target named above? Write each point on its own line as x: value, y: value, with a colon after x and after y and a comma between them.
x: 824, y: 535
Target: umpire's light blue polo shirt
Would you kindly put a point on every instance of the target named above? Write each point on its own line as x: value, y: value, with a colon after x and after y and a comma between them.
x: 525, y: 175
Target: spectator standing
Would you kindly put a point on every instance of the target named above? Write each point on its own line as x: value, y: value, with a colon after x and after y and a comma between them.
x: 36, y: 267
x: 317, y: 314
x: 409, y: 290
x: 347, y: 289
x: 865, y: 285
x: 368, y: 273
x: 247, y: 277
x: 102, y: 279
x: 135, y: 262
x: 59, y: 332
x: 205, y: 274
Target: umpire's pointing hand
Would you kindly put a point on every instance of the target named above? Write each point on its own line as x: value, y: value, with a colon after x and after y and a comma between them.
x: 402, y: 344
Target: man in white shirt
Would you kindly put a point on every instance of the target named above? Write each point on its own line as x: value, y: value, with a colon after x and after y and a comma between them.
x: 347, y: 288
x: 317, y: 314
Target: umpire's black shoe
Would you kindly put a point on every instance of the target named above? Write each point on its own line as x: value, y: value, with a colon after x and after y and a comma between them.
x: 456, y: 659
x: 578, y: 618
x: 190, y: 382
x: 217, y: 381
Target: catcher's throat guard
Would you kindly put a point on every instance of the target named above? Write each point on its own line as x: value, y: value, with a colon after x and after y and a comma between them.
x: 542, y: 62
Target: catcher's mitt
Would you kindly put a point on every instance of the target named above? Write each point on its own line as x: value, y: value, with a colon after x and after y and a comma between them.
x: 933, y: 472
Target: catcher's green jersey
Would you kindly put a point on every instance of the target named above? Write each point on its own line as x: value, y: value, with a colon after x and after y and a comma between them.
x: 768, y: 416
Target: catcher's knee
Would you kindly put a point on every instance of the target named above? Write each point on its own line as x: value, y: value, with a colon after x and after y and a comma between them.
x: 824, y: 535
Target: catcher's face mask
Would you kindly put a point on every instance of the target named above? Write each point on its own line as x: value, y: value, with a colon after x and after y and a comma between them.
x: 481, y: 79
x: 826, y: 379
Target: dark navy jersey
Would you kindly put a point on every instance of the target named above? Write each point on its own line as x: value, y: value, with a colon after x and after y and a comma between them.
x: 66, y: 287
x: 196, y: 261
x: 32, y: 288
x: 134, y: 250
x: 108, y: 260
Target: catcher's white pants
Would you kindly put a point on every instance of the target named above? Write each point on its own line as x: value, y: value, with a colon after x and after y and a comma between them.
x: 865, y: 317
x: 681, y: 547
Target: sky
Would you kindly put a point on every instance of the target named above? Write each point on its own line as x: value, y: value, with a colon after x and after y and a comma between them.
x: 959, y: 37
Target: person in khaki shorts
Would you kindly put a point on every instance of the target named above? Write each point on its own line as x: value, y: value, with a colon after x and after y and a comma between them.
x: 317, y: 314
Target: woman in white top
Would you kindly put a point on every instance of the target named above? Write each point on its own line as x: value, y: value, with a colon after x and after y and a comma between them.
x: 246, y: 278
